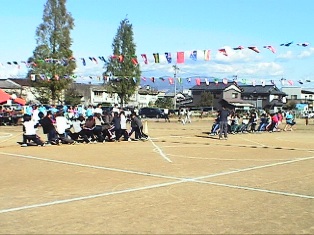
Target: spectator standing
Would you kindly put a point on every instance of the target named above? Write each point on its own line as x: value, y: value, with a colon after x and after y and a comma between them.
x: 223, y: 124
x: 166, y: 115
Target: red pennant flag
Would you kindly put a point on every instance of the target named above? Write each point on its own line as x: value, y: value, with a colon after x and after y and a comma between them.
x: 171, y: 82
x: 180, y: 57
x: 121, y: 58
x: 134, y: 60
x: 223, y: 51
x: 198, y: 81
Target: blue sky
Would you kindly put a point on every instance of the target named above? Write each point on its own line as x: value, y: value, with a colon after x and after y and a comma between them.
x: 174, y: 26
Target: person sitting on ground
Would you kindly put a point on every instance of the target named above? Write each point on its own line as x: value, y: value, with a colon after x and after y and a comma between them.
x: 99, y: 122
x: 62, y: 126
x: 48, y: 128
x: 88, y: 128
x: 29, y: 132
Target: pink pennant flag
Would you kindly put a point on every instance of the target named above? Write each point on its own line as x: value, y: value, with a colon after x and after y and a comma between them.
x: 144, y: 79
x: 290, y: 82
x: 272, y: 49
x: 180, y: 57
x: 223, y: 51
x: 144, y: 56
x: 198, y: 81
x: 171, y: 82
x: 225, y: 81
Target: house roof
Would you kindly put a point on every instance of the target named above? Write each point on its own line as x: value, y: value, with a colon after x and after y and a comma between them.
x: 259, y: 89
x: 8, y: 84
x: 21, y: 81
x: 213, y: 86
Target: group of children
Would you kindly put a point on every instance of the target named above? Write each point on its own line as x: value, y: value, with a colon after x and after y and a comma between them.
x: 250, y: 122
x: 99, y: 127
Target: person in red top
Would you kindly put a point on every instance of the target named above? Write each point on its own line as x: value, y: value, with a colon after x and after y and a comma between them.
x: 280, y: 118
x: 274, y: 122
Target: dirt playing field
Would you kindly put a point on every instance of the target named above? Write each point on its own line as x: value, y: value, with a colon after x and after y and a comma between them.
x: 180, y: 181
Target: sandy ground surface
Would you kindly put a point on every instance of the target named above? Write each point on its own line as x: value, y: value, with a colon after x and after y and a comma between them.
x: 181, y: 181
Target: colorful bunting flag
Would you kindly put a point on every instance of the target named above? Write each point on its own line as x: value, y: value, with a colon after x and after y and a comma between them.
x: 134, y: 60
x: 238, y: 48
x: 156, y: 57
x: 254, y: 49
x: 171, y: 82
x: 223, y: 51
x: 193, y: 55
x: 180, y: 57
x: 198, y: 81
x: 168, y: 57
x: 206, y: 55
x: 272, y: 49
x: 144, y: 58
x: 207, y: 81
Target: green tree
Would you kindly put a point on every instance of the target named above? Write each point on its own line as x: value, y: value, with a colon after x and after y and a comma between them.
x: 291, y: 105
x: 206, y: 99
x: 52, y: 63
x: 72, y: 96
x: 122, y: 67
x: 165, y: 102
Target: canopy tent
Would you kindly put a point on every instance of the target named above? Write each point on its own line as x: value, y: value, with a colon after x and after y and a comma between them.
x: 4, y: 97
x: 20, y: 101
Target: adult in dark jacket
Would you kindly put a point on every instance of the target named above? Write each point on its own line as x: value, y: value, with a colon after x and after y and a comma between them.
x: 48, y: 127
x: 223, y: 124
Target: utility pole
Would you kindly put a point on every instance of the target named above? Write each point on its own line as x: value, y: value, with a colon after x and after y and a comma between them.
x: 175, y: 67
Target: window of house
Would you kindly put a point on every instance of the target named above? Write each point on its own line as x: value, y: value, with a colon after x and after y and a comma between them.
x: 98, y: 93
x: 234, y: 95
x: 294, y: 97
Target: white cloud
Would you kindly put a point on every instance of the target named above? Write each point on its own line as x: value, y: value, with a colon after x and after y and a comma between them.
x: 285, y: 56
x: 306, y: 53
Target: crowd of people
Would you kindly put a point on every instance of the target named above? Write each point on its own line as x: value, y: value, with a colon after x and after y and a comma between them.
x: 230, y: 122
x: 68, y: 125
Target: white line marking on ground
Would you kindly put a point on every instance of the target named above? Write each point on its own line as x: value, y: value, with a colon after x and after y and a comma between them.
x: 90, y: 166
x: 256, y: 189
x: 88, y: 197
x: 255, y: 168
x: 159, y: 150
x: 5, y: 135
x: 179, y: 180
x: 227, y: 159
x: 10, y: 136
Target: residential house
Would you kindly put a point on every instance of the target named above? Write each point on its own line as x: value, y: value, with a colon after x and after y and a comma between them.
x: 235, y: 96
x: 302, y: 96
x: 267, y: 97
x: 228, y: 95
